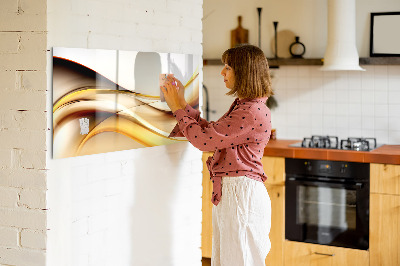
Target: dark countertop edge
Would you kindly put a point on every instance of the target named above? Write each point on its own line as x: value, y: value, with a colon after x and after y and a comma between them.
x: 386, y: 154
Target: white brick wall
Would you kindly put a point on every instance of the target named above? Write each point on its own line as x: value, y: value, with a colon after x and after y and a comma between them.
x: 134, y: 207
x: 93, y: 212
x: 23, y: 124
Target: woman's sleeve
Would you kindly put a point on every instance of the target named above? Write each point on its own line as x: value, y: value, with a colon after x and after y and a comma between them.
x: 229, y: 131
x: 193, y: 113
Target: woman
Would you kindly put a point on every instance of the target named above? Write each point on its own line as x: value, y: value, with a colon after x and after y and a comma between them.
x: 242, y: 209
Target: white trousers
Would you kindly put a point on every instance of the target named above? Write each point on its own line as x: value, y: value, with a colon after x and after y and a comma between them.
x: 241, y: 223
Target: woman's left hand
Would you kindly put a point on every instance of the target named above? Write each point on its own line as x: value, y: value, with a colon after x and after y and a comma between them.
x: 171, y: 96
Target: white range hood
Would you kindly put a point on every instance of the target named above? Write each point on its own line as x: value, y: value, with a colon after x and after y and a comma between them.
x: 341, y: 51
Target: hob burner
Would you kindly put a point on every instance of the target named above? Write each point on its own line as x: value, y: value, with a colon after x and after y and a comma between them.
x: 332, y: 142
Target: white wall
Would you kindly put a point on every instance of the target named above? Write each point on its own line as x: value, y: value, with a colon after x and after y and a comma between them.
x: 23, y: 133
x: 133, y: 207
x: 305, y: 18
x: 311, y: 102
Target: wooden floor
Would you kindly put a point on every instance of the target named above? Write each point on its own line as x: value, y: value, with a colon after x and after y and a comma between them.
x: 206, y: 261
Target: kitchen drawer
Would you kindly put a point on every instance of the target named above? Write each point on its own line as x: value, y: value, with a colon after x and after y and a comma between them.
x: 385, y: 178
x: 305, y: 254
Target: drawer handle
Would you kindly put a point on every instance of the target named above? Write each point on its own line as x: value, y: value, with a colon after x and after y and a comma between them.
x: 324, y: 254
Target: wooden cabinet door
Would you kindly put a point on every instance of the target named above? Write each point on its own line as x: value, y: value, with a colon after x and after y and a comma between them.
x: 277, y: 233
x: 385, y: 178
x: 206, y: 232
x: 384, y: 236
x: 305, y: 254
x: 274, y: 168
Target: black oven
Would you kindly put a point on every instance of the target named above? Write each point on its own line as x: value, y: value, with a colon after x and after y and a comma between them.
x: 327, y: 202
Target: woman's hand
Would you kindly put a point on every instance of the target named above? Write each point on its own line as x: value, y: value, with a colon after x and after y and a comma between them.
x: 171, y: 95
x: 181, y: 92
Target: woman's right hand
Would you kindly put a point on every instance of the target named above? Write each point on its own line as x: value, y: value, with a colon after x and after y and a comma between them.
x: 181, y: 92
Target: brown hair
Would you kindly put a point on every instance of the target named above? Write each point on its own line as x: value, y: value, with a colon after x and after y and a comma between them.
x: 250, y: 66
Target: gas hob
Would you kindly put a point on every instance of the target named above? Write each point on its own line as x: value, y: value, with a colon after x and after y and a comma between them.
x: 332, y: 142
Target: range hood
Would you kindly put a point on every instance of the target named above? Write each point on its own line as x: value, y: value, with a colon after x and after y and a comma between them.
x: 341, y: 51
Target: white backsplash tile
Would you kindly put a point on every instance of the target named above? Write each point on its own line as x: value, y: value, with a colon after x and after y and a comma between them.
x: 382, y: 110
x: 382, y: 123
x: 381, y: 83
x: 292, y: 83
x: 304, y: 82
x: 394, y: 83
x: 367, y: 133
x: 367, y: 110
x: 381, y: 71
x: 381, y: 97
x: 393, y: 71
x: 394, y: 97
x: 304, y: 72
x: 291, y: 71
x: 394, y: 110
x: 314, y: 102
x: 355, y: 109
x: 342, y: 122
x: 368, y: 122
x: 355, y: 96
x: 382, y: 136
x: 367, y: 96
x: 355, y: 132
x: 354, y: 84
x: 394, y: 137
x: 342, y: 96
x: 394, y: 123
x: 329, y: 109
x: 342, y: 109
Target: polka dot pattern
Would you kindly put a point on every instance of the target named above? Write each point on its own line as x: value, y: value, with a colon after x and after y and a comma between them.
x: 238, y: 139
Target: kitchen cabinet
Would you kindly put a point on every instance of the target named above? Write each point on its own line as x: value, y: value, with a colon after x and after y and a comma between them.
x: 274, y: 168
x: 206, y: 226
x: 277, y: 233
x: 384, y: 246
x: 385, y: 214
x: 385, y: 178
x: 306, y: 254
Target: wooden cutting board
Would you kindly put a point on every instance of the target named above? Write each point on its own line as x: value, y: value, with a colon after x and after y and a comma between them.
x: 239, y: 35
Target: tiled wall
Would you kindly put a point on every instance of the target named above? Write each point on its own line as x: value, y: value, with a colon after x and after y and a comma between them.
x: 340, y: 103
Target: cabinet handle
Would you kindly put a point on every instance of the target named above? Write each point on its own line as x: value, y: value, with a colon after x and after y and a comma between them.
x: 317, y: 253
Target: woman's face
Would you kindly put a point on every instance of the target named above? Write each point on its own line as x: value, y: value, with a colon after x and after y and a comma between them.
x: 229, y: 76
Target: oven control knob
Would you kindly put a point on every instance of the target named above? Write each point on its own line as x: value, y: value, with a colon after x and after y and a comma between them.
x: 308, y: 166
x: 343, y: 168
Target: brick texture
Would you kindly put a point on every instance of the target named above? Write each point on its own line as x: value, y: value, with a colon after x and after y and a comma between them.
x: 9, y: 237
x: 33, y: 239
x: 23, y: 128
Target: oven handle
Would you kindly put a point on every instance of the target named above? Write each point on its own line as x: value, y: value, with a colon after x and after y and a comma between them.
x: 357, y: 185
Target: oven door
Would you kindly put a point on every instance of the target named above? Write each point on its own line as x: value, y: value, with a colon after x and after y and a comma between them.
x: 327, y: 213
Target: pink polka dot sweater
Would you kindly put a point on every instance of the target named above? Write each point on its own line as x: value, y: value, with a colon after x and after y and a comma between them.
x: 238, y: 139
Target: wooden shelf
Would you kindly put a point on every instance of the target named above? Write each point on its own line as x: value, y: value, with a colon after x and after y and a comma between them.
x: 273, y: 63
x: 380, y: 61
